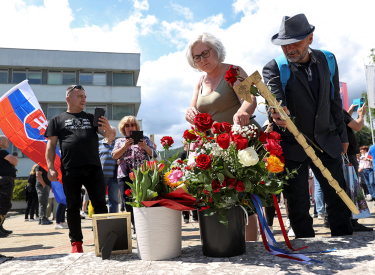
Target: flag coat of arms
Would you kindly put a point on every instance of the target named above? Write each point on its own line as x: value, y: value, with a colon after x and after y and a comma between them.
x: 24, y: 123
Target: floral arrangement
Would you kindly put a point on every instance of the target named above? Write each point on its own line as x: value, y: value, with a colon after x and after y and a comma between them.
x: 148, y: 180
x: 224, y: 169
x: 146, y: 183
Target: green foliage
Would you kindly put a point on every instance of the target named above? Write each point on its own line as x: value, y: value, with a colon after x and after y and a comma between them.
x: 364, y: 136
x: 171, y: 153
x: 372, y: 56
x: 19, y: 185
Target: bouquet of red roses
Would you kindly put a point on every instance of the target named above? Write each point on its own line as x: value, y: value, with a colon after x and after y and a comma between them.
x: 222, y: 170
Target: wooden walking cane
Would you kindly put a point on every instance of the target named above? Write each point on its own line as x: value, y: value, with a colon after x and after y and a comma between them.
x: 243, y: 90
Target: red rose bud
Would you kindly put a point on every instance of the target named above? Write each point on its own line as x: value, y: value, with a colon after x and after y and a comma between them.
x: 206, y: 192
x: 263, y: 137
x: 215, y: 186
x: 166, y: 141
x: 203, y: 122
x: 281, y: 158
x: 128, y: 192
x: 180, y: 161
x: 231, y: 75
x: 225, y: 127
x: 274, y: 135
x: 188, y: 135
x: 161, y: 167
x: 216, y: 128
x: 273, y: 147
x: 132, y: 176
x: 231, y: 182
x: 223, y: 140
x: 262, y: 182
x: 240, y: 187
x: 240, y: 141
x: 203, y: 162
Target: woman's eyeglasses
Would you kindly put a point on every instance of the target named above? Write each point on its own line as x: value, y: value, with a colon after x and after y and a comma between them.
x: 204, y: 54
x: 130, y: 125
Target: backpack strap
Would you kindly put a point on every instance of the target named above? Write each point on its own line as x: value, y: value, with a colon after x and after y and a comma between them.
x: 282, y: 63
x: 332, y: 69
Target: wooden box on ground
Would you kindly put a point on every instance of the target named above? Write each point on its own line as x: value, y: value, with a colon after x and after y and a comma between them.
x: 104, y: 224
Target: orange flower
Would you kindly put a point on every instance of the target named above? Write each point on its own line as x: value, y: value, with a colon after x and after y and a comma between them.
x: 274, y: 165
x: 170, y: 184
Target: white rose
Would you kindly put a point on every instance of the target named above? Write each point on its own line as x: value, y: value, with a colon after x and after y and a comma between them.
x: 248, y: 156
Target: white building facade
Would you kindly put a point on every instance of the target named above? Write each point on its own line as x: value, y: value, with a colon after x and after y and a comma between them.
x: 109, y: 80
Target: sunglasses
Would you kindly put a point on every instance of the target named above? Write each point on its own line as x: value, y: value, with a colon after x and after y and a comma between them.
x: 204, y: 54
x: 79, y: 87
x: 130, y: 125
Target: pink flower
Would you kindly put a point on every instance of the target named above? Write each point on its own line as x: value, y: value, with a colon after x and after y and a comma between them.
x: 175, y: 176
x: 192, y: 156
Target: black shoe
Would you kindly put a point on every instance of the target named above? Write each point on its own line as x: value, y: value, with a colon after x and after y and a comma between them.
x: 2, y: 229
x: 40, y: 222
x: 45, y: 222
x: 3, y: 235
x: 359, y: 227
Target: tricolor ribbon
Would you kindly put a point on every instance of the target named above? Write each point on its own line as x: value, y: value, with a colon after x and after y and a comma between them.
x: 269, y: 241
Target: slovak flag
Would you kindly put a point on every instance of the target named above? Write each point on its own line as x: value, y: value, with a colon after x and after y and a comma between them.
x: 24, y: 123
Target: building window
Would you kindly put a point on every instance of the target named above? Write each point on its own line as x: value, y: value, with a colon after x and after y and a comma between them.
x: 100, y: 79
x: 34, y: 77
x: 85, y: 79
x: 69, y: 78
x: 54, y: 110
x: 3, y: 76
x: 91, y: 109
x: 122, y: 79
x: 61, y: 78
x: 19, y: 76
x: 119, y: 111
x: 54, y: 78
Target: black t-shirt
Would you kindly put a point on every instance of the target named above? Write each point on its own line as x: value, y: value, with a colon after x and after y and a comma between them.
x: 353, y: 145
x: 44, y: 175
x: 6, y: 168
x: 182, y: 155
x: 78, y: 139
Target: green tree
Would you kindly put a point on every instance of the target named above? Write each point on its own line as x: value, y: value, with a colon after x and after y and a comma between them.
x: 364, y: 136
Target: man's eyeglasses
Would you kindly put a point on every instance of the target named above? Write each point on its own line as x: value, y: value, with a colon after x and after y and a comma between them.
x: 79, y: 87
x: 130, y: 125
x: 204, y: 54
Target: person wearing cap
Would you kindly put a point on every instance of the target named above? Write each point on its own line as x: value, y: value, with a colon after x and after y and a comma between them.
x: 307, y: 98
x: 80, y: 162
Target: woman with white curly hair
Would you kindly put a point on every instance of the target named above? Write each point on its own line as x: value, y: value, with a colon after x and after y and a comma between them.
x: 212, y: 94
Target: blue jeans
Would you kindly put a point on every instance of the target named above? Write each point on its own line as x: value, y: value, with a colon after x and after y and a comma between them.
x: 319, y: 200
x: 112, y: 193
x: 368, y: 174
x: 60, y: 213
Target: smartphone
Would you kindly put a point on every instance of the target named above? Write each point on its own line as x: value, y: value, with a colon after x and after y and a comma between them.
x: 359, y: 102
x: 99, y: 112
x: 152, y: 138
x: 136, y: 136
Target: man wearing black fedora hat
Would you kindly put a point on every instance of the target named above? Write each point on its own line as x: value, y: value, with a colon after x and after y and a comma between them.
x: 313, y: 99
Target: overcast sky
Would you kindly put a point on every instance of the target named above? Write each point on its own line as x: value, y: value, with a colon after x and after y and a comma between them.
x: 161, y: 29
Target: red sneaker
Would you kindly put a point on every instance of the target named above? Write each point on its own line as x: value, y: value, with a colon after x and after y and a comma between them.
x: 77, y: 247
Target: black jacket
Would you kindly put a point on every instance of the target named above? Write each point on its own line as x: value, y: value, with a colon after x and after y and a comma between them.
x: 322, y: 121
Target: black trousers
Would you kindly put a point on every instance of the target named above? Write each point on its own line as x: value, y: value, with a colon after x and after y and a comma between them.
x: 124, y: 198
x: 92, y: 178
x: 6, y: 193
x: 297, y: 194
x: 31, y: 206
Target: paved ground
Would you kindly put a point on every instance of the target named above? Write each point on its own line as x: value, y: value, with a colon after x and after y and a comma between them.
x: 41, y: 249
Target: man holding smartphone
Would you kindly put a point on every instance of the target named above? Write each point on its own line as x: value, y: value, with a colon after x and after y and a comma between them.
x: 80, y: 163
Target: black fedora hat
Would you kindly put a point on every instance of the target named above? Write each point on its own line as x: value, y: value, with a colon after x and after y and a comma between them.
x: 292, y: 30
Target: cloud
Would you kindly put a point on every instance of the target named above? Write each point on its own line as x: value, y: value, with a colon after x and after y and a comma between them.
x: 31, y: 31
x: 184, y: 11
x: 79, y: 9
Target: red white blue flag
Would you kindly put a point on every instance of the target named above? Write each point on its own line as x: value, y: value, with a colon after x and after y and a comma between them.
x: 24, y: 123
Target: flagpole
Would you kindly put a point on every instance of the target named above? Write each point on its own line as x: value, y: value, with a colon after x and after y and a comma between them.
x: 367, y: 92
